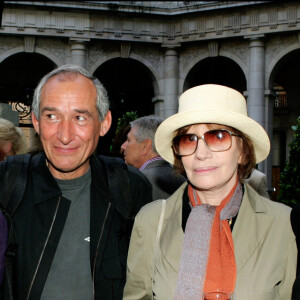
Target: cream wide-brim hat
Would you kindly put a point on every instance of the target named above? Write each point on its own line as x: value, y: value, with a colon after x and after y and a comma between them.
x: 211, y: 103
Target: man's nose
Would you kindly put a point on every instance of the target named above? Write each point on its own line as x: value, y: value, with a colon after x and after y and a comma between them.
x: 65, y: 132
x: 124, y: 145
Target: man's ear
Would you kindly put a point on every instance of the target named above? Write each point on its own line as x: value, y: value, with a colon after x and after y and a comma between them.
x: 105, y: 124
x: 147, y: 145
x: 35, y: 123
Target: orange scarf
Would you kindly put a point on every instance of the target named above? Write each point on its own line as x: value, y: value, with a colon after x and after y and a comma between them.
x: 221, y: 266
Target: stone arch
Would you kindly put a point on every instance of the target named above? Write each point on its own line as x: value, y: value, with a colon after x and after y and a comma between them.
x: 276, y: 59
x: 200, y: 58
x: 157, y: 88
x: 20, y: 73
x: 20, y: 49
x: 129, y: 84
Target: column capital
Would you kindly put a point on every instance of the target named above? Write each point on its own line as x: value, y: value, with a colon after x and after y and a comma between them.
x: 157, y: 99
x: 171, y: 45
x: 254, y: 36
x: 78, y: 40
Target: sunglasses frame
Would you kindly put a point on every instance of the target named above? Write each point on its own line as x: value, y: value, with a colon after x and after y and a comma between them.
x: 202, y: 138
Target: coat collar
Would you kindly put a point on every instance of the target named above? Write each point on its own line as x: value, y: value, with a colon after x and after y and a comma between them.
x: 251, y: 226
x: 157, y: 163
x: 252, y: 219
x: 44, y: 185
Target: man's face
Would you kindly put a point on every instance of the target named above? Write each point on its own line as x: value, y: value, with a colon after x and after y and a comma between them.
x: 69, y: 125
x: 132, y: 150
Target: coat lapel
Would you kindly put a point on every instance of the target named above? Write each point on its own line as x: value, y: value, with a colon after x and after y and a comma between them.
x: 172, y: 235
x: 252, y: 220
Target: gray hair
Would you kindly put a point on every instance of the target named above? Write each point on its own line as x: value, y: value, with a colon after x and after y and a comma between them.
x: 145, y: 128
x: 102, y: 102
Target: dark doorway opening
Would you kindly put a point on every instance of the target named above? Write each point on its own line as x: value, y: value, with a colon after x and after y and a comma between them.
x: 217, y: 70
x: 20, y: 74
x: 129, y: 87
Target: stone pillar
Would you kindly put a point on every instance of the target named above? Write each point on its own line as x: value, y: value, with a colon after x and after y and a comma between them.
x: 171, y: 74
x: 158, y: 106
x: 78, y: 51
x: 269, y: 105
x: 256, y: 84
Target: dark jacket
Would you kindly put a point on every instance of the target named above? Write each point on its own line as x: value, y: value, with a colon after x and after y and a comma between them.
x: 165, y: 181
x: 39, y: 221
x: 3, y: 243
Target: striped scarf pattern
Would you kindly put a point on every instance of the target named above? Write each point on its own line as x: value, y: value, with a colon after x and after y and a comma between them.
x: 208, y: 240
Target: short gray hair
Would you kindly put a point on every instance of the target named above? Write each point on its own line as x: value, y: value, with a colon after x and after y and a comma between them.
x: 145, y: 128
x: 102, y: 102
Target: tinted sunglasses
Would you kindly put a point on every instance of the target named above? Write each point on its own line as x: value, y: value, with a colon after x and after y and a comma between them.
x: 216, y: 140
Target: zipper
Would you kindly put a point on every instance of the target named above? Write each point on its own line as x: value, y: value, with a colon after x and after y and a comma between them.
x: 43, y: 251
x: 97, y: 249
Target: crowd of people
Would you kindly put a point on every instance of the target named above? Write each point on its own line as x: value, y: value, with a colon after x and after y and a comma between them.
x: 184, y: 214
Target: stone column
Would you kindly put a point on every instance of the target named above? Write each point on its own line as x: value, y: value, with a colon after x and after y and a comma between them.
x: 78, y: 51
x: 256, y: 84
x: 158, y: 106
x: 171, y: 74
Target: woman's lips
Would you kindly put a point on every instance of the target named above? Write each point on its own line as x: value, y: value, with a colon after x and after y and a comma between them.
x: 205, y: 170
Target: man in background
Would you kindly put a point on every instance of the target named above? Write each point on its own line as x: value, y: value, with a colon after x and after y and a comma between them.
x: 140, y: 152
x: 258, y: 181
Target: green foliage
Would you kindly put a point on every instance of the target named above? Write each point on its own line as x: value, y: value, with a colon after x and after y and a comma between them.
x: 121, y: 132
x: 126, y: 119
x: 290, y: 176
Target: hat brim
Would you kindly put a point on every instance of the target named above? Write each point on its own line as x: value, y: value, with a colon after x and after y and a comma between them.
x: 166, y: 131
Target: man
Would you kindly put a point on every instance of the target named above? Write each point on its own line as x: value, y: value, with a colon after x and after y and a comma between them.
x: 140, y: 152
x: 70, y: 232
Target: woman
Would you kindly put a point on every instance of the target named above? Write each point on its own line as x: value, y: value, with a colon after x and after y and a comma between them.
x: 12, y: 139
x: 216, y: 232
x: 295, y: 221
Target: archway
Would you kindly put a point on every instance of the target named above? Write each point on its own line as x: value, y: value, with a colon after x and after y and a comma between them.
x: 20, y: 74
x: 218, y: 70
x: 285, y: 81
x: 129, y: 87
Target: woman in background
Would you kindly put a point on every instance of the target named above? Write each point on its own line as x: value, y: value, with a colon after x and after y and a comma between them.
x: 217, y: 232
x: 12, y: 139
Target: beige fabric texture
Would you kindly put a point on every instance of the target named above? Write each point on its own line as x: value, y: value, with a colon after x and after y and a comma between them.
x: 265, y: 250
x: 211, y: 103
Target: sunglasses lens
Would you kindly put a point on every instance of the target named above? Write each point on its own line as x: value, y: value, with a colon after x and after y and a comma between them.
x: 185, y: 144
x: 218, y: 140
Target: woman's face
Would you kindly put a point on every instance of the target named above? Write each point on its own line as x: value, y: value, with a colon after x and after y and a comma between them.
x: 213, y: 172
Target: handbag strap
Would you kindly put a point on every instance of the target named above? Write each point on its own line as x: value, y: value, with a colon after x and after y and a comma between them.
x: 161, y: 218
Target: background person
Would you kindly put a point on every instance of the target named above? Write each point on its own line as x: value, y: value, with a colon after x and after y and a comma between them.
x: 216, y: 232
x: 140, y: 151
x: 12, y: 139
x: 258, y: 181
x: 69, y: 230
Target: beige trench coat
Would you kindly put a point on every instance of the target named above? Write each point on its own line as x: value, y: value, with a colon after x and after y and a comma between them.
x: 265, y: 250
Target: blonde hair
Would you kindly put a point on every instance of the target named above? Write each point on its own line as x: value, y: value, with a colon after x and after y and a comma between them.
x: 15, y: 135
